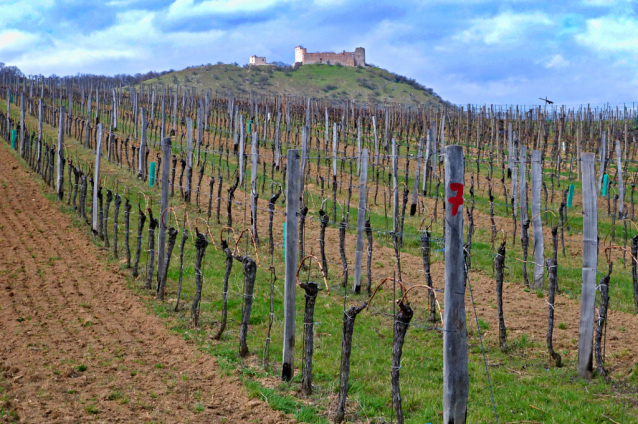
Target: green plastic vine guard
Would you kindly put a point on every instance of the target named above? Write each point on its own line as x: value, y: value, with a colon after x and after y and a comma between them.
x: 14, y: 135
x: 605, y: 185
x: 570, y: 196
x: 151, y: 177
x: 250, y: 125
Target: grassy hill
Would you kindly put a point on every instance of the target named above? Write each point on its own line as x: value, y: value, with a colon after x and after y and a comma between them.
x: 368, y: 84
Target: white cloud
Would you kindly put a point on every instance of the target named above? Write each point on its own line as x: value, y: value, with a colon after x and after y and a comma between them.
x: 328, y: 3
x: 188, y: 8
x: 133, y: 39
x: 504, y: 28
x: 610, y: 34
x: 14, y: 11
x: 557, y: 61
x: 16, y: 40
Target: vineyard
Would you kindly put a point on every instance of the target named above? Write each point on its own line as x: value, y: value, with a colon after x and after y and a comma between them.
x: 360, y: 262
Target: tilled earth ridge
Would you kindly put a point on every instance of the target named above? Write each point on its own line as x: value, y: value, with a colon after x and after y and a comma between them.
x: 78, y: 345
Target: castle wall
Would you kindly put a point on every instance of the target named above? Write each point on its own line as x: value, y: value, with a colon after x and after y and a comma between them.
x: 344, y: 59
x: 356, y: 58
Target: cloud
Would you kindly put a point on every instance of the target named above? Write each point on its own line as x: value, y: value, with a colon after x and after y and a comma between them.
x: 13, y: 12
x: 557, y: 61
x: 610, y: 35
x: 181, y: 9
x: 16, y: 40
x: 507, y: 27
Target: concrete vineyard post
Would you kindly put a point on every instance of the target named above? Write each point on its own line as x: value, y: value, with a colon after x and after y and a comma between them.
x: 395, y: 187
x: 142, y: 149
x: 455, y: 365
x: 96, y: 180
x: 426, y: 161
x: 161, y: 238
x: 603, y: 161
x: 415, y: 189
x: 304, y: 155
x: 254, y: 196
x: 240, y: 158
x: 59, y: 186
x: 22, y: 124
x: 621, y: 187
x: 292, y: 227
x: 189, y: 159
x: 361, y: 218
x: 334, y: 154
x: 522, y: 187
x: 539, y: 244
x: 590, y: 260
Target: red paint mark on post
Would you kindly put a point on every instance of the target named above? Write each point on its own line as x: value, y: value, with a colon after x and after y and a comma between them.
x: 457, y: 200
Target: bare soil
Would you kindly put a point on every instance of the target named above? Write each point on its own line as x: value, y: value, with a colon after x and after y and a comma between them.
x: 78, y: 345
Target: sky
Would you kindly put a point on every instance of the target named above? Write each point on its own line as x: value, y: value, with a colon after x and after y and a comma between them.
x: 473, y: 51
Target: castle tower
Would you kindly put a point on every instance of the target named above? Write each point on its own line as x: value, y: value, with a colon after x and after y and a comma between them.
x: 359, y: 56
x: 300, y: 55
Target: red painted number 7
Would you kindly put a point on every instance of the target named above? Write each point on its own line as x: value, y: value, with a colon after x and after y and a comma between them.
x: 457, y: 200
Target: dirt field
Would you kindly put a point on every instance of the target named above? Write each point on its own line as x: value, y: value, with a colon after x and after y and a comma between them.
x: 78, y: 345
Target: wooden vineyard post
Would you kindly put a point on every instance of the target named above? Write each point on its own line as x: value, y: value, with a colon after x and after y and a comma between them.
x: 361, y: 219
x: 96, y: 179
x: 455, y: 366
x: 292, y: 227
x: 161, y: 238
x: 60, y: 172
x: 537, y: 222
x: 590, y: 260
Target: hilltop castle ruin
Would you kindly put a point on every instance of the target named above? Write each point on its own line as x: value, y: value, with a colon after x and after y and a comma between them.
x: 356, y: 58
x: 257, y: 61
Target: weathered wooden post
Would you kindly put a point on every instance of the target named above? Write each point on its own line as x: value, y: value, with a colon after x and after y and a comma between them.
x: 161, y: 238
x: 96, y: 180
x: 590, y: 260
x: 361, y: 220
x: 60, y: 172
x: 292, y: 227
x: 455, y: 366
x: 539, y: 244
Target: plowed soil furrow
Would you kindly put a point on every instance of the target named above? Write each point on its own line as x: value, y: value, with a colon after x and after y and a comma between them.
x: 78, y: 345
